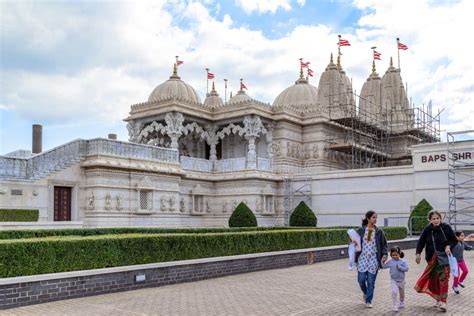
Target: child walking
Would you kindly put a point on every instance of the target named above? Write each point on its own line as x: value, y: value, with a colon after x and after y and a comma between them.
x: 398, y: 267
x: 458, y: 253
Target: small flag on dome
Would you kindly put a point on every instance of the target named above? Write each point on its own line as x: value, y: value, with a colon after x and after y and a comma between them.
x: 242, y: 85
x: 402, y: 46
x: 303, y: 64
x: 343, y: 42
x: 310, y: 72
x: 178, y: 62
x: 210, y: 75
x: 377, y: 55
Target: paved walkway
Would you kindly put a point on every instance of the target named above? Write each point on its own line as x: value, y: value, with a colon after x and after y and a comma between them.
x: 321, y: 289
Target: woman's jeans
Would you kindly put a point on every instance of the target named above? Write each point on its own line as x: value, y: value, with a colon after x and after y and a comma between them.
x: 367, y: 284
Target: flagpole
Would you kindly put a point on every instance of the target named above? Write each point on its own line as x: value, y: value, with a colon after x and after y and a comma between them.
x: 207, y: 79
x: 339, y: 47
x: 225, y: 89
x: 398, y: 50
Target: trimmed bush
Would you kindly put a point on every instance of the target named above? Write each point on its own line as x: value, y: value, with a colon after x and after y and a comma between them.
x: 59, y: 254
x: 18, y: 215
x: 419, y: 216
x: 242, y: 216
x: 303, y: 216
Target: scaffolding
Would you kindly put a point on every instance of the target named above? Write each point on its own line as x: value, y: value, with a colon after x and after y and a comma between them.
x: 460, y: 181
x: 293, y: 196
x: 368, y: 140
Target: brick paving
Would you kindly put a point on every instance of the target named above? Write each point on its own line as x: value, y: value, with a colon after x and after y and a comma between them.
x: 326, y: 288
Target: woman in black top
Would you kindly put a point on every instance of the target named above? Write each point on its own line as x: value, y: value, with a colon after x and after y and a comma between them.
x: 437, y: 238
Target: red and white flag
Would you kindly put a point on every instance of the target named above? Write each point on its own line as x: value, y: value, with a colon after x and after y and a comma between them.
x: 242, y: 86
x: 402, y: 46
x: 310, y: 72
x: 179, y: 62
x: 303, y: 64
x: 210, y: 75
x: 377, y: 55
x: 343, y: 42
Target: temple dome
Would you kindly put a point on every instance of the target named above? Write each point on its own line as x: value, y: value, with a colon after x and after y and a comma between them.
x: 174, y: 88
x: 370, y: 95
x: 335, y: 91
x: 301, y: 94
x: 240, y: 97
x: 394, y: 99
x: 213, y: 100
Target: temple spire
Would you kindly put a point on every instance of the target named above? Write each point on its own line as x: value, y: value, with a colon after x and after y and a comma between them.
x: 175, y: 72
x: 331, y: 61
x: 373, y: 66
x: 391, y: 61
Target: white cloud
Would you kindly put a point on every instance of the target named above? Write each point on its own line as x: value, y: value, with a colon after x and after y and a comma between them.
x: 143, y: 38
x: 264, y: 6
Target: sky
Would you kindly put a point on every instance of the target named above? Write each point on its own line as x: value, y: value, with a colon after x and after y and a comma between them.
x: 76, y: 67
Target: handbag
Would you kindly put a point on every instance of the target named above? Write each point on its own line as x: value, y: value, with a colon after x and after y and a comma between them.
x: 441, y: 256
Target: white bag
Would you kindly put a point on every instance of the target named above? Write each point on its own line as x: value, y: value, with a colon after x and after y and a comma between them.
x: 352, y: 252
x: 355, y: 237
x: 453, y: 266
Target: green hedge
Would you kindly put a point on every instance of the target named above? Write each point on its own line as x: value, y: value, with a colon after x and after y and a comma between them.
x: 242, y: 216
x: 303, y: 216
x: 39, y: 233
x: 419, y: 216
x: 59, y: 254
x: 18, y: 215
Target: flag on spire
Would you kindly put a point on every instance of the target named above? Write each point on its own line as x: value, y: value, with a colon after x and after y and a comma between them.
x: 303, y: 64
x: 242, y: 85
x: 210, y: 75
x: 178, y: 62
x: 310, y: 72
x: 377, y: 55
x: 343, y: 42
x: 402, y: 46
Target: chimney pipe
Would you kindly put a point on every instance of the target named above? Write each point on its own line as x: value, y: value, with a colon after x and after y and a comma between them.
x: 113, y: 136
x: 37, y: 145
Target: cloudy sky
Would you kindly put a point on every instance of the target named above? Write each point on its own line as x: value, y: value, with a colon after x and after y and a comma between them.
x: 76, y: 66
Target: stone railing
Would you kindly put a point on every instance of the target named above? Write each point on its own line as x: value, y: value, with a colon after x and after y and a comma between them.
x: 101, y: 146
x: 230, y: 165
x: 264, y: 164
x: 196, y: 164
x: 58, y: 158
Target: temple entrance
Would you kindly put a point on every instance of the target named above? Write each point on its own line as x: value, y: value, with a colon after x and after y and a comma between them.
x: 62, y: 203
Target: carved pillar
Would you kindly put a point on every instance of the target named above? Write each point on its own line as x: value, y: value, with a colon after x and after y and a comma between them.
x: 270, y: 144
x: 174, y: 127
x: 252, y: 153
x: 253, y: 127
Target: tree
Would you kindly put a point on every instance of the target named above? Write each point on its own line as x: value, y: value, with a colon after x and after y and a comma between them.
x: 303, y: 216
x: 242, y: 216
x: 419, y: 216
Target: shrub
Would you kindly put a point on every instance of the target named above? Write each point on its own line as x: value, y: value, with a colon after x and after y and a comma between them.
x: 71, y: 253
x: 419, y: 216
x: 303, y: 216
x: 18, y: 215
x: 242, y: 217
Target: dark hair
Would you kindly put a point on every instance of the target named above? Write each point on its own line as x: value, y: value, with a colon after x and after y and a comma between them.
x: 368, y: 215
x: 458, y: 233
x: 397, y: 250
x: 433, y: 212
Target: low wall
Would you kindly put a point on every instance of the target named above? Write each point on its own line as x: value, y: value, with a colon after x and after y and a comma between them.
x: 43, y: 288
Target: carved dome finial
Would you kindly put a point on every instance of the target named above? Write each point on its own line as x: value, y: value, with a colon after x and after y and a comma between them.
x: 331, y: 61
x: 175, y: 72
x: 373, y: 67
